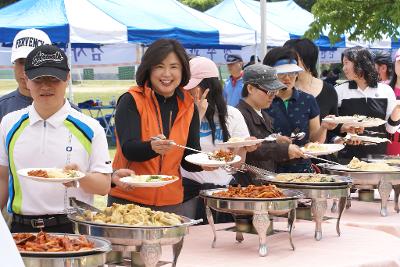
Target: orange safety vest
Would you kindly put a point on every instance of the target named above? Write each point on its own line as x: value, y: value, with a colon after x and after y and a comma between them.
x: 169, y: 163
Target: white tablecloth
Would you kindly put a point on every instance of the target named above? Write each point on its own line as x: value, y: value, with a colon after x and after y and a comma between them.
x: 366, y: 215
x: 356, y: 247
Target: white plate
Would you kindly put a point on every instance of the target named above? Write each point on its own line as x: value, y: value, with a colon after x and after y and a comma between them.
x: 374, y: 122
x: 202, y: 160
x: 24, y: 173
x: 239, y: 143
x: 140, y: 181
x: 327, y: 149
x: 343, y: 119
x: 371, y: 139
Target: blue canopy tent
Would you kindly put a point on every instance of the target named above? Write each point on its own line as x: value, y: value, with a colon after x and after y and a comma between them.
x: 189, y: 26
x: 291, y: 19
x: 109, y: 21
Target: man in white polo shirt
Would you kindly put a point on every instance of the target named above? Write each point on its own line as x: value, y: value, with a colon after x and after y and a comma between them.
x: 49, y: 133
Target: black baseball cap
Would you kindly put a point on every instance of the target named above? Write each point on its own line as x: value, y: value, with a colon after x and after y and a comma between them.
x: 233, y: 58
x: 47, y: 60
x: 262, y: 76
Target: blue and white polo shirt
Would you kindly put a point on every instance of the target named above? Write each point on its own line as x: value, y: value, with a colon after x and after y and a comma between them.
x: 28, y: 141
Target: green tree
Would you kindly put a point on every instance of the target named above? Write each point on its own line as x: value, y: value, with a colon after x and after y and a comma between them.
x: 6, y: 2
x: 201, y: 5
x: 366, y: 19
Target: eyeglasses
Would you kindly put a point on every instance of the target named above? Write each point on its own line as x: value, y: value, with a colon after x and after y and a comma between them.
x: 290, y: 74
x: 268, y: 92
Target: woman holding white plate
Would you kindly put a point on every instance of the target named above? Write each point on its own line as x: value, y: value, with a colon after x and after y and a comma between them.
x: 293, y: 110
x: 148, y: 118
x: 363, y: 95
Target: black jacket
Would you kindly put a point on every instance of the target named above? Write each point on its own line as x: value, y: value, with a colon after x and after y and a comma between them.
x: 267, y: 154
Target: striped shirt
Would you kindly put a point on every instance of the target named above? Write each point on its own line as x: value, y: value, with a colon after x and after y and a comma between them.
x: 28, y: 141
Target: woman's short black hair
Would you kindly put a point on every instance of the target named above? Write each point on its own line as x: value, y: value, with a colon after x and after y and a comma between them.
x: 364, y: 65
x: 279, y: 53
x: 156, y: 53
x: 307, y: 51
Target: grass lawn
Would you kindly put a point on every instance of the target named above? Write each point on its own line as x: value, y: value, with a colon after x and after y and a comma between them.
x: 104, y: 90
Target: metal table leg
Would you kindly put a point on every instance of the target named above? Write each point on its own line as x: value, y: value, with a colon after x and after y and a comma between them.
x: 150, y: 254
x: 334, y: 206
x: 261, y: 223
x: 211, y: 223
x: 318, y: 209
x: 291, y: 219
x: 176, y: 248
x: 396, y: 197
x: 239, y: 237
x: 348, y: 203
x: 342, y: 205
x: 384, y: 189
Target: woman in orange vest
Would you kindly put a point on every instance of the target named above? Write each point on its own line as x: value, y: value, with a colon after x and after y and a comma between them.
x: 156, y: 107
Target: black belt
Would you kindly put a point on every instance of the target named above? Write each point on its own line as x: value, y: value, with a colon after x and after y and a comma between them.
x: 41, y: 221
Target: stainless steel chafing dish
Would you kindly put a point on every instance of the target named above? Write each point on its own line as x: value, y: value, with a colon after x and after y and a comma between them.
x: 145, y: 239
x: 260, y: 208
x: 384, y: 181
x: 87, y: 258
x: 318, y: 192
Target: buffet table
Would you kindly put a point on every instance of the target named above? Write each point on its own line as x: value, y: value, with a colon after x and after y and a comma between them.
x: 356, y: 247
x: 365, y: 215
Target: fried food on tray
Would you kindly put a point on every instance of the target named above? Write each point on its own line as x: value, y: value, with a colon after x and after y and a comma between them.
x: 44, y: 242
x: 222, y: 155
x: 357, y: 164
x: 305, y: 178
x: 251, y: 191
x: 55, y: 173
x: 131, y: 214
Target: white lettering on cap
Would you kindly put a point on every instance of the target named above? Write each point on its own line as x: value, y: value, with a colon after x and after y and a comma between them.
x: 41, y: 58
x: 28, y: 41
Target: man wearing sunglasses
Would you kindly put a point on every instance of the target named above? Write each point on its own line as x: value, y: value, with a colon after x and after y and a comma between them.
x: 261, y: 84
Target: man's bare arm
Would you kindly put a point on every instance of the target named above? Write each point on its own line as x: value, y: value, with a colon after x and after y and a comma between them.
x: 3, y: 186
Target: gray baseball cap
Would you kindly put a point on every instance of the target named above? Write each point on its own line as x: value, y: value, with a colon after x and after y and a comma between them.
x: 263, y: 76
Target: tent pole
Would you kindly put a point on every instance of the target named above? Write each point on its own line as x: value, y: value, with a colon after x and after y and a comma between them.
x: 255, y: 47
x: 263, y: 11
x: 70, y: 93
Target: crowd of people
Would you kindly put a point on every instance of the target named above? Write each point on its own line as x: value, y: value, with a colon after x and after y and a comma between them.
x: 180, y: 100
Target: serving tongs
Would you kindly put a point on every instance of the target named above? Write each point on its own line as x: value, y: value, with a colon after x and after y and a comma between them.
x: 322, y: 159
x: 296, y: 135
x: 81, y: 206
